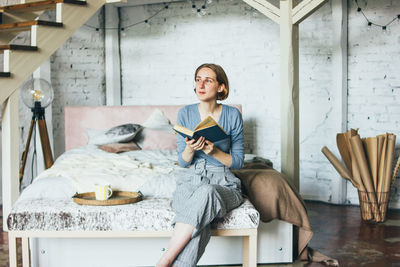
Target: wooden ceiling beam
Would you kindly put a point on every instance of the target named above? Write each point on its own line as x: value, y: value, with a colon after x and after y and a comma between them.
x: 305, y: 8
x: 265, y: 8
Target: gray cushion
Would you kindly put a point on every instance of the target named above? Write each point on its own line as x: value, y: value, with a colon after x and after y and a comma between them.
x: 118, y: 134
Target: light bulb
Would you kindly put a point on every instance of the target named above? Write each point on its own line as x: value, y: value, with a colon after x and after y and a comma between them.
x: 209, y: 1
x: 385, y: 30
x: 37, y: 95
x: 203, y: 10
x: 194, y: 9
x: 369, y: 26
x: 37, y: 90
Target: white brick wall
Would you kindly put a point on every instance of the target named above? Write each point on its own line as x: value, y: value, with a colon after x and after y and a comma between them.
x: 77, y: 75
x: 374, y: 79
x: 162, y: 57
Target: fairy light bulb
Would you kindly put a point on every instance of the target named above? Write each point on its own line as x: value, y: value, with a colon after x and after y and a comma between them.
x: 194, y: 9
x: 369, y: 26
x: 203, y: 10
x: 385, y: 30
x: 199, y: 13
x: 209, y: 1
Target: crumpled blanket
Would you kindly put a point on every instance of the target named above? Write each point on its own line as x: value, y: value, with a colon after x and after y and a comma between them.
x: 121, y: 171
x: 276, y: 198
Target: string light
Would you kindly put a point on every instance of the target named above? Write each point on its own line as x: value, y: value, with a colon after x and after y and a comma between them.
x: 146, y: 21
x: 384, y: 27
x: 201, y: 11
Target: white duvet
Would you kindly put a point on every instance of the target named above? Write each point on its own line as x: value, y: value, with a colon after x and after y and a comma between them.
x: 153, y: 172
x: 120, y: 171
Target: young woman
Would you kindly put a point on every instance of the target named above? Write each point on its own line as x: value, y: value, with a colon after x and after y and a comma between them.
x: 209, y: 189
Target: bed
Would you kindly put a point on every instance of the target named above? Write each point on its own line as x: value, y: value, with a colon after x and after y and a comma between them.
x: 65, y: 229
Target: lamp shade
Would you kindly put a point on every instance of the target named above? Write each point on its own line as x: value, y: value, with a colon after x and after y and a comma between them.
x: 37, y: 90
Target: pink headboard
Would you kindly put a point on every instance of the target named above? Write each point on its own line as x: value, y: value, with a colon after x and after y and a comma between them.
x: 78, y: 119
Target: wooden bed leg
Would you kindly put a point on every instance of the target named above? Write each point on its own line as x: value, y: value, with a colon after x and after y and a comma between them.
x: 26, y: 260
x: 250, y: 249
x: 12, y: 250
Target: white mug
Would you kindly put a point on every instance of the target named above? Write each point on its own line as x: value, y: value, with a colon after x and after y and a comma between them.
x: 103, y: 191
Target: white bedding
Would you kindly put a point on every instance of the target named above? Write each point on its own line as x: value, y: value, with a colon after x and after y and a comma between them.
x: 153, y: 172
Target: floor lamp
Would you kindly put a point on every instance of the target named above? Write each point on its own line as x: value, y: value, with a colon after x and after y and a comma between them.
x: 37, y: 94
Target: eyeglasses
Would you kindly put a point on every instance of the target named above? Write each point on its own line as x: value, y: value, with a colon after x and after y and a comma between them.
x: 206, y: 80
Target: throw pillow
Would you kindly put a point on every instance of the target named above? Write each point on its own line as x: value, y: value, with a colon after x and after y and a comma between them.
x: 157, y: 120
x: 119, y: 147
x: 157, y: 134
x: 120, y: 133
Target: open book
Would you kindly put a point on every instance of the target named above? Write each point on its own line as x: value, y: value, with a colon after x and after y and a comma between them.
x: 208, y: 128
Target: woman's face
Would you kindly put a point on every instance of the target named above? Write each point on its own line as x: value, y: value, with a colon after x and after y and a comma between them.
x: 207, y: 87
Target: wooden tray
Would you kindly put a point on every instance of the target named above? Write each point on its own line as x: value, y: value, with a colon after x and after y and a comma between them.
x: 117, y: 198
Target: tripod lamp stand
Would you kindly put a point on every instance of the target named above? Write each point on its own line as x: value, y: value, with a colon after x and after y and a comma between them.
x: 37, y: 94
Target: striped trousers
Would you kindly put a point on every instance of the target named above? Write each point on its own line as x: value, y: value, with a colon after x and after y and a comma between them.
x: 206, y: 192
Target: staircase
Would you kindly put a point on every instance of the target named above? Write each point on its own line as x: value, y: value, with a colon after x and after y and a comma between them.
x: 20, y: 61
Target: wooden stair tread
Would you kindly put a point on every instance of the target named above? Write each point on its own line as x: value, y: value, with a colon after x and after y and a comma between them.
x: 41, y: 5
x: 18, y: 47
x: 26, y: 25
x: 5, y: 74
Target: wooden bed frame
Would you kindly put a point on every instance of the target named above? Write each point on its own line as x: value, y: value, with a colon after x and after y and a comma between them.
x: 249, y: 237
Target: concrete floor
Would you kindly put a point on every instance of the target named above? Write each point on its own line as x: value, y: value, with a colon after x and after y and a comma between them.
x: 339, y: 233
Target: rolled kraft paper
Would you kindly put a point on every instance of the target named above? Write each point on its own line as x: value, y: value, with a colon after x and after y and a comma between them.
x: 338, y: 165
x: 354, y: 167
x: 381, y: 170
x: 359, y: 153
x: 381, y: 139
x: 344, y: 150
x: 396, y: 169
x: 371, y: 146
x: 361, y: 159
x: 389, y: 162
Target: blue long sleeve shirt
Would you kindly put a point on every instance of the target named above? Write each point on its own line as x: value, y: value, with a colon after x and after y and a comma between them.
x: 232, y: 122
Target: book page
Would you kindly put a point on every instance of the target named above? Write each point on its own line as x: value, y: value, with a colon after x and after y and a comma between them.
x: 183, y: 130
x: 207, y: 122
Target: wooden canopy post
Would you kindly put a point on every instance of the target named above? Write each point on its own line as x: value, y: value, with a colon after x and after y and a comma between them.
x: 289, y: 74
x: 288, y: 16
x: 10, y: 154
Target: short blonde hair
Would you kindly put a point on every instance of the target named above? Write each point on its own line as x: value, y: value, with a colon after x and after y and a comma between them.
x: 221, y: 78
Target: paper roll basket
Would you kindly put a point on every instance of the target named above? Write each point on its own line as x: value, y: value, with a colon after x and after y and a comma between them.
x: 373, y: 211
